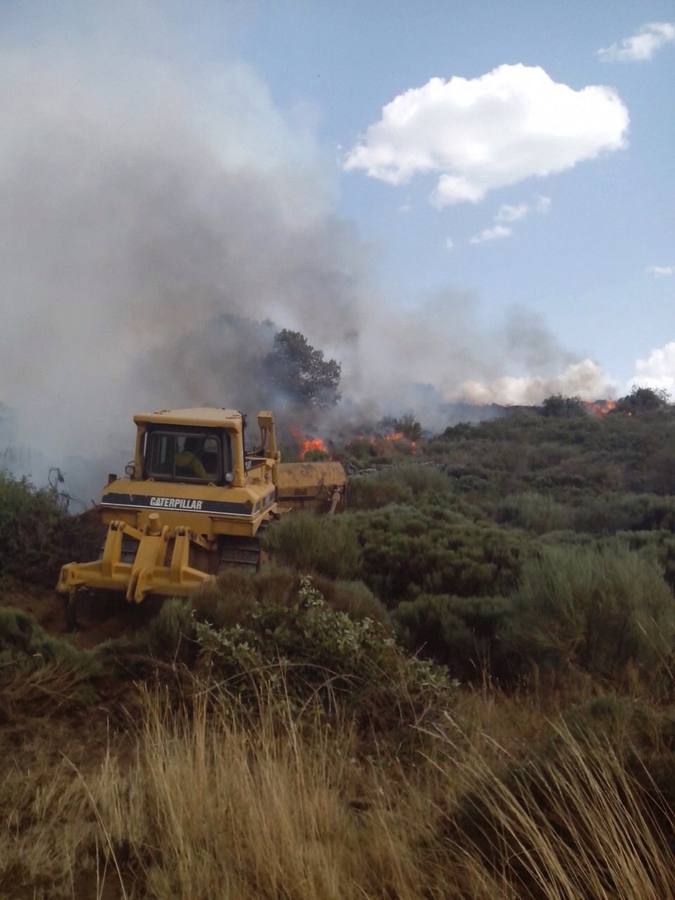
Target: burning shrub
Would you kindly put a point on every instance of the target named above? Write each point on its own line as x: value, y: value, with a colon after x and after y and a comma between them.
x: 315, y: 456
x: 407, y: 426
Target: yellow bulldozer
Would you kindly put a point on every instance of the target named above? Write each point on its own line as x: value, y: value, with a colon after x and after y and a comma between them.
x: 194, y: 502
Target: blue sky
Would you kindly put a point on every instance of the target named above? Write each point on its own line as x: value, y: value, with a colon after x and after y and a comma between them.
x: 584, y: 265
x: 576, y: 247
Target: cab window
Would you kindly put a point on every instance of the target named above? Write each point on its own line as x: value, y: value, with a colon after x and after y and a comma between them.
x: 185, y: 456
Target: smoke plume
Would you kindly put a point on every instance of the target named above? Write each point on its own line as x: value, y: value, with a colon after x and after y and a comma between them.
x: 159, y: 221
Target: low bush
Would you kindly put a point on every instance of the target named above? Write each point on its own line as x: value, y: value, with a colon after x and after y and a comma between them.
x: 28, y: 519
x: 310, y: 650
x: 169, y: 634
x: 626, y: 512
x: 353, y: 598
x: 534, y: 512
x: 600, y: 611
x: 37, y: 536
x: 25, y: 645
x: 462, y: 633
x: 406, y: 551
x: 326, y: 545
x: 376, y: 491
x: 39, y: 673
x: 402, y: 484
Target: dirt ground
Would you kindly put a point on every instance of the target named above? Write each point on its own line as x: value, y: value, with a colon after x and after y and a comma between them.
x: 100, y: 617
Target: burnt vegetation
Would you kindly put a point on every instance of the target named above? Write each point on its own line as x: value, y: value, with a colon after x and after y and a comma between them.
x: 475, y: 657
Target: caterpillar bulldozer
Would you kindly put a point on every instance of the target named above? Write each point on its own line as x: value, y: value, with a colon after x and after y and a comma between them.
x: 193, y: 502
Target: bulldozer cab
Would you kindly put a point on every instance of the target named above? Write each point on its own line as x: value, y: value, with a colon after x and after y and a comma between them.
x: 201, y: 446
x: 188, y: 455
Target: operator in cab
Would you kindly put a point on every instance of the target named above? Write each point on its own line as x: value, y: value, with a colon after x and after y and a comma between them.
x: 189, y: 459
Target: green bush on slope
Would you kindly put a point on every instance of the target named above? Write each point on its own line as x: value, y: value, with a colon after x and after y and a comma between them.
x: 595, y: 610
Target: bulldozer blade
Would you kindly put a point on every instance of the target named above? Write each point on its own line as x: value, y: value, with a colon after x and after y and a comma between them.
x: 157, y: 568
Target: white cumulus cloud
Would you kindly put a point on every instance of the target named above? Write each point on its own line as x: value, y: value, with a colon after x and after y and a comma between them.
x: 511, y: 213
x: 542, y: 204
x: 508, y: 213
x: 492, y: 234
x: 642, y: 46
x: 477, y: 134
x: 657, y: 370
x: 661, y: 271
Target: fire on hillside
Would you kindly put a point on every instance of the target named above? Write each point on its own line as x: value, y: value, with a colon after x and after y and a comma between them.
x: 600, y: 408
x: 307, y: 443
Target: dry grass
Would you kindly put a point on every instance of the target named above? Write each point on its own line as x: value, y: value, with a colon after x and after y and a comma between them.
x: 201, y: 803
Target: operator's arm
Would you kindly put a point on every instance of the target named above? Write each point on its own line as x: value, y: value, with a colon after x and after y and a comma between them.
x: 188, y: 460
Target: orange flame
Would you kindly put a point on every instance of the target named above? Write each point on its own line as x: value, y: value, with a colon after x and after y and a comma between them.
x: 306, y: 443
x: 394, y: 436
x: 312, y: 444
x: 600, y: 408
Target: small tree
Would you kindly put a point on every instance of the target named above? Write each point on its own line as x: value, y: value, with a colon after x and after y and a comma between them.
x: 562, y: 407
x: 643, y: 399
x: 302, y: 372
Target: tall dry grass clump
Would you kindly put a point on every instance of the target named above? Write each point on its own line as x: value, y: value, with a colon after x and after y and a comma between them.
x: 208, y: 803
x: 205, y: 801
x: 212, y: 806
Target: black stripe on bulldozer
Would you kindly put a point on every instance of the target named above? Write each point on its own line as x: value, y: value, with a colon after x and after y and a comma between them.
x: 176, y: 504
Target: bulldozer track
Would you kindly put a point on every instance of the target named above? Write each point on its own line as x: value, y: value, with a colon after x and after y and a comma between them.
x: 240, y: 553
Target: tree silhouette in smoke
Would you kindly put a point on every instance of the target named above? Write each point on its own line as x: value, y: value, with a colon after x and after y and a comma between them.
x: 302, y: 372
x: 643, y: 400
x: 558, y: 406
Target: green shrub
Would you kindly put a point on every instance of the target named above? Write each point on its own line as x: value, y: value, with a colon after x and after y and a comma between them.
x: 411, y: 483
x: 25, y: 644
x: 40, y: 673
x: 463, y: 633
x: 353, y: 598
x: 171, y: 631
x: 433, y: 549
x: 230, y: 600
x: 627, y: 721
x: 28, y: 519
x: 376, y: 491
x: 534, y: 512
x: 626, y: 512
x: 37, y: 536
x: 600, y: 611
x: 567, y: 407
x: 307, y: 650
x: 326, y: 545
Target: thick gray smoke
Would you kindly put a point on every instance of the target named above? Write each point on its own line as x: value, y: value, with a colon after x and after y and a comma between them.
x: 157, y: 223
